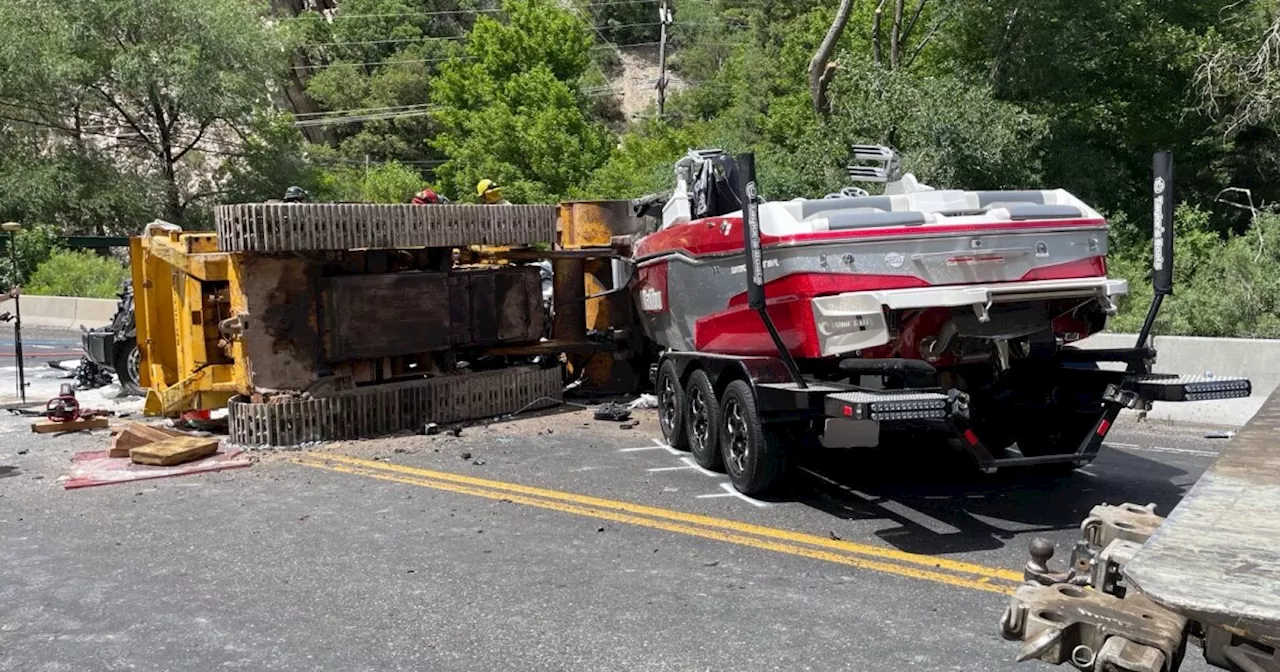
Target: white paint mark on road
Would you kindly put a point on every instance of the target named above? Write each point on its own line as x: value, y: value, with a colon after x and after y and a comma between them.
x: 728, y: 488
x: 716, y: 494
x: 1163, y: 449
x: 896, y: 508
x: 683, y: 466
x: 918, y: 517
x: 1113, y: 444
x: 705, y: 472
x: 639, y: 448
x: 667, y: 448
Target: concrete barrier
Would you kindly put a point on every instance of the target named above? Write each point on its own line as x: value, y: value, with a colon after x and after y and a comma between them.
x: 67, y: 312
x: 1252, y: 358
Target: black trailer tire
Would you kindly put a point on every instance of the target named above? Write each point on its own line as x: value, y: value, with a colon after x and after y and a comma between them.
x: 753, y: 455
x: 702, y: 421
x: 127, y: 361
x: 671, y: 406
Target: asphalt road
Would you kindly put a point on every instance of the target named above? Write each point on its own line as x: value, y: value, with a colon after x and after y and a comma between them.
x: 557, y: 543
x: 39, y: 344
x: 40, y: 347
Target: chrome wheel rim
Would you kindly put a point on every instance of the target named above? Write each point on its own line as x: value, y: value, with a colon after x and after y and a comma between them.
x: 735, y: 426
x: 667, y: 406
x: 700, y: 423
x: 135, y: 362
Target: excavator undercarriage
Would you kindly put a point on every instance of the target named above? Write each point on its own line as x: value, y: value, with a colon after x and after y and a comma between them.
x: 316, y: 322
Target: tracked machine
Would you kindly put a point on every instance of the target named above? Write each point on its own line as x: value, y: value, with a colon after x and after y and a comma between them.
x: 316, y: 322
x: 790, y: 320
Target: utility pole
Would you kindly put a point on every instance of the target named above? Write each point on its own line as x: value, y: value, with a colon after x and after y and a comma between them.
x: 664, y: 18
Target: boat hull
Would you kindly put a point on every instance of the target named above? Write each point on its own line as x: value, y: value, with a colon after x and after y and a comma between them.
x: 690, y: 283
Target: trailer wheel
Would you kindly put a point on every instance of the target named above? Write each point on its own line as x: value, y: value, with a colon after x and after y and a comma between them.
x: 752, y: 455
x: 702, y: 421
x: 128, y: 360
x: 671, y: 406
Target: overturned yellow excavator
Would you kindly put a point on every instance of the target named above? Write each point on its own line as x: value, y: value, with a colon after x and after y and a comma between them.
x: 315, y: 322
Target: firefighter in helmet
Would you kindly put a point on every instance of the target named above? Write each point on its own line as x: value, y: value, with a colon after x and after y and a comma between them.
x: 490, y: 193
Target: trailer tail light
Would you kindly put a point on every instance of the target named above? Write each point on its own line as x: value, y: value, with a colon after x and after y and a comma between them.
x: 971, y: 437
x: 848, y: 411
x: 1103, y: 427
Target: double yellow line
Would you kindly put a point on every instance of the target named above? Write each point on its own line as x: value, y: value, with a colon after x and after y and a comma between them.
x: 875, y: 558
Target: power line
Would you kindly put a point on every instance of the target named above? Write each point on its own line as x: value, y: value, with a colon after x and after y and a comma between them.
x: 447, y: 12
x: 350, y: 119
x: 361, y: 109
x: 396, y: 41
x: 349, y: 64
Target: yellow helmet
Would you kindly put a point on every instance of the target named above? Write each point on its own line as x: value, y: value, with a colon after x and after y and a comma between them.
x: 488, y: 191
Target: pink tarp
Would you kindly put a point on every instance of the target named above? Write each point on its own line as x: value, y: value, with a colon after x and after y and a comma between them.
x: 95, y: 468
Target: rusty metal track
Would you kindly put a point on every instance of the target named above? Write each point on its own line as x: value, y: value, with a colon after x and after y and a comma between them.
x: 385, y: 409
x: 300, y: 227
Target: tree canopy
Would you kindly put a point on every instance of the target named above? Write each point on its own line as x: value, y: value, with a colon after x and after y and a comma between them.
x: 116, y: 111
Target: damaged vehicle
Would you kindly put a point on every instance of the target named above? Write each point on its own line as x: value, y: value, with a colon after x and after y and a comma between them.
x: 115, y: 346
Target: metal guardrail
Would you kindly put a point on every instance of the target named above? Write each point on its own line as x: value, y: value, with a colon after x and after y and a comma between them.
x: 82, y: 242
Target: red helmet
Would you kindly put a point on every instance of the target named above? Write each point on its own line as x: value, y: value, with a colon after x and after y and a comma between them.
x: 426, y: 197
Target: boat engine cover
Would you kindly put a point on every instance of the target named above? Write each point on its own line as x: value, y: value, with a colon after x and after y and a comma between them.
x: 849, y: 322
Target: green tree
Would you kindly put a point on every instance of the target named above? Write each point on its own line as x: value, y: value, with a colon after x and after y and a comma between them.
x: 511, y: 107
x: 163, y: 85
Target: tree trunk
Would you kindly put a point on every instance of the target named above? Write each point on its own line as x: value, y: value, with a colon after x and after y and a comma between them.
x: 875, y: 33
x: 1006, y: 43
x: 820, y: 65
x: 895, y: 37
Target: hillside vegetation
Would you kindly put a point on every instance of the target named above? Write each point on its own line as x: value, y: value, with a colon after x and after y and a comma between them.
x: 115, y: 112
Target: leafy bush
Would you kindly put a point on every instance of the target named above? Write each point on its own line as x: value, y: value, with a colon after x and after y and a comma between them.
x: 78, y: 273
x: 35, y: 244
x: 1222, y: 287
x: 390, y: 182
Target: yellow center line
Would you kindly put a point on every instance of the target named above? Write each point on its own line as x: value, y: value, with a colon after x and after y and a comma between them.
x: 381, y: 473
x: 889, y: 554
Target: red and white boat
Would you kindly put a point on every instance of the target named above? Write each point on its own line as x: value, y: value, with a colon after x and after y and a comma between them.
x: 945, y: 276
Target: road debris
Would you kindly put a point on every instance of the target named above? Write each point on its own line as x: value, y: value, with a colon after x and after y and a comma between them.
x: 174, y: 450
x: 431, y: 428
x: 644, y: 402
x: 63, y: 427
x: 478, y: 462
x: 612, y: 412
x: 465, y: 456
x: 629, y: 425
x: 95, y: 467
x: 137, y: 434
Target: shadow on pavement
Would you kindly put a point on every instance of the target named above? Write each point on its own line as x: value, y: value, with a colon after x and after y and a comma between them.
x: 934, y: 500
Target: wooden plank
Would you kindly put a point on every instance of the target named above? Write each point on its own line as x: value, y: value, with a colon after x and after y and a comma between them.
x: 175, y: 450
x: 137, y: 434
x: 1217, y: 556
x: 51, y: 427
